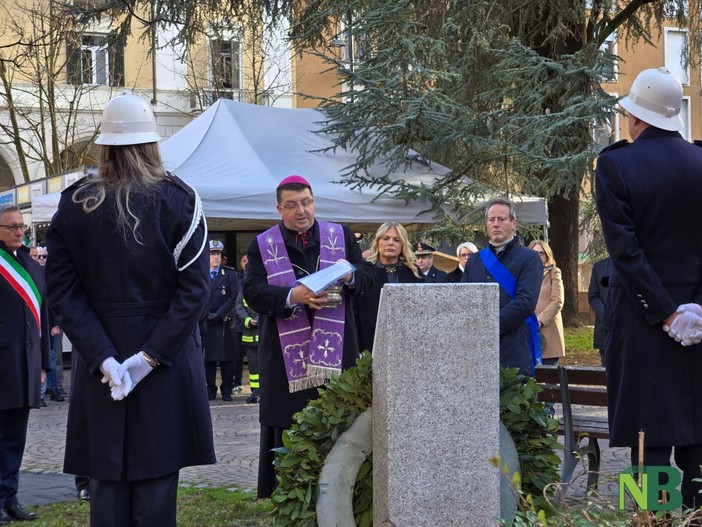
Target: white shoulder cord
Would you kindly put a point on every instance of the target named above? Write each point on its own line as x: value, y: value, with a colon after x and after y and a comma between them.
x: 197, y: 215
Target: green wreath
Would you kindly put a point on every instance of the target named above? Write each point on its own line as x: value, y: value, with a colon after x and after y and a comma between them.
x: 316, y: 428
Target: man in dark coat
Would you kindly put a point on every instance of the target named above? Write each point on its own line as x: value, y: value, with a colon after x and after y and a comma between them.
x: 597, y: 296
x: 217, y: 334
x: 425, y: 263
x: 648, y: 196
x: 525, y: 266
x: 24, y: 351
x: 301, y: 236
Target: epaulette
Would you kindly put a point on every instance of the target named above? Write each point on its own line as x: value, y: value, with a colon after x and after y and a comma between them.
x: 614, y: 146
x: 76, y: 184
x: 229, y: 267
x: 170, y: 176
x: 698, y: 142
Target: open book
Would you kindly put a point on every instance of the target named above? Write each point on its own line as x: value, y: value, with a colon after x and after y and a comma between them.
x: 320, y: 280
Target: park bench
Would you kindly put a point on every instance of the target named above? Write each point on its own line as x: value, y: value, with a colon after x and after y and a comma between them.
x: 576, y: 385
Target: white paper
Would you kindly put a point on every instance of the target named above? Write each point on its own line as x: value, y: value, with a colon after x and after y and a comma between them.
x: 320, y: 280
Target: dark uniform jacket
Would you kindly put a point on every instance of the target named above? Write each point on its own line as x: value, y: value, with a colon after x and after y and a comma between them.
x: 23, y: 353
x: 277, y: 405
x: 369, y: 300
x: 596, y: 295
x: 525, y: 265
x: 114, y: 298
x: 454, y: 276
x: 434, y: 276
x: 218, y: 333
x: 648, y: 195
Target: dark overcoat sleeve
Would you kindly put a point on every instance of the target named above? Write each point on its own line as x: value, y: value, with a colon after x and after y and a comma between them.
x: 263, y: 298
x: 231, y: 284
x: 619, y: 229
x: 528, y: 270
x: 593, y: 290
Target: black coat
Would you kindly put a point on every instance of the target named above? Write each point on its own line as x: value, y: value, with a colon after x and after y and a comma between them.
x: 434, y: 276
x: 525, y: 265
x: 367, y: 303
x: 597, y: 295
x: 218, y: 333
x: 115, y: 297
x: 454, y: 276
x: 277, y: 405
x: 23, y: 353
x: 648, y: 196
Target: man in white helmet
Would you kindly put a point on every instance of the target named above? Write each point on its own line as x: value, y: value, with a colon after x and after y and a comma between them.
x: 648, y: 196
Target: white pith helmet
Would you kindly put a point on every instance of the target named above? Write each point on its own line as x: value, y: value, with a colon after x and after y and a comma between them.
x: 655, y: 98
x: 127, y: 120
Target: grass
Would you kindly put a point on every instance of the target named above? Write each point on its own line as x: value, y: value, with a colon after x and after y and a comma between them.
x: 196, y: 508
x: 579, y: 350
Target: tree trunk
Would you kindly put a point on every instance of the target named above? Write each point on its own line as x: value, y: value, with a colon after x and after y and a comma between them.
x: 564, y: 217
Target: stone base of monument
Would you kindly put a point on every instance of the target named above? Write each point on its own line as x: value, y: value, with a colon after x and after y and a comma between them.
x: 436, y: 395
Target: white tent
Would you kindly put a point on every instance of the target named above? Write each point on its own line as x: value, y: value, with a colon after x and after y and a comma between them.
x: 234, y: 154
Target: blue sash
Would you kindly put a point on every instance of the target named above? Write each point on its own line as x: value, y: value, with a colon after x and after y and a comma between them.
x: 509, y: 284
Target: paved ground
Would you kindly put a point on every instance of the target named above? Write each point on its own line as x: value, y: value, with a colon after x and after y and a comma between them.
x: 236, y: 443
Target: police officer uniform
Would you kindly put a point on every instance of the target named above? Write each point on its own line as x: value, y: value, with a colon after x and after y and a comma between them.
x: 217, y: 338
x: 433, y: 275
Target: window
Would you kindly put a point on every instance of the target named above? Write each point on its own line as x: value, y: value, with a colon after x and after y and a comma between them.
x: 95, y: 61
x: 608, y: 70
x: 606, y: 132
x: 225, y: 59
x: 685, y: 116
x: 675, y: 46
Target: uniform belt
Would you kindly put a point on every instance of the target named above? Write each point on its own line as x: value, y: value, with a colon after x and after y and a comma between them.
x: 130, y: 309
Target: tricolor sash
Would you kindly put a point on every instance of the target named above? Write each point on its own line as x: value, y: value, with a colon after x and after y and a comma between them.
x: 311, y: 354
x: 509, y: 283
x: 19, y: 279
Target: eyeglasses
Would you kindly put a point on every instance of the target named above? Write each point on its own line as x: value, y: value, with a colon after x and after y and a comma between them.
x: 466, y: 255
x: 293, y: 205
x: 540, y: 253
x: 15, y: 228
x: 42, y: 256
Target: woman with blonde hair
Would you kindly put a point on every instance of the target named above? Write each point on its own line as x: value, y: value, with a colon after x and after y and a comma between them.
x: 393, y: 262
x: 549, y: 305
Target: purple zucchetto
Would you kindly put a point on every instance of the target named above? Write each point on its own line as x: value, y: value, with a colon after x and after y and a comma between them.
x: 294, y: 179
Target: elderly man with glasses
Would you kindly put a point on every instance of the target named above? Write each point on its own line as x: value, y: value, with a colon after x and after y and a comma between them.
x: 24, y: 341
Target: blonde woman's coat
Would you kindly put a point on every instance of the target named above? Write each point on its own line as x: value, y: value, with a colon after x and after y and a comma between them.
x: 548, y: 312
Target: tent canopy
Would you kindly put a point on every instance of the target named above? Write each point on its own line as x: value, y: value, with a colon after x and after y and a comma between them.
x: 235, y: 154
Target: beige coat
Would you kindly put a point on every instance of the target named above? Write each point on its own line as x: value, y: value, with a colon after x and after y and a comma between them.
x: 548, y: 311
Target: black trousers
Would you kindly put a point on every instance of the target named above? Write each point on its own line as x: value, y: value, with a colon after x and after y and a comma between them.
x: 13, y: 436
x: 147, y: 503
x: 227, y: 372
x: 271, y: 437
x: 238, y: 359
x: 687, y: 458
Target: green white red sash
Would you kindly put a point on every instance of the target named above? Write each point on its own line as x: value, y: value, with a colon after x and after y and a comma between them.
x: 19, y: 279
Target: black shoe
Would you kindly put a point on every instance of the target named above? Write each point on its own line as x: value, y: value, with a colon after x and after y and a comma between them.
x: 251, y: 399
x: 63, y: 392
x: 84, y: 494
x: 42, y: 403
x: 227, y: 398
x: 4, y: 518
x: 17, y: 512
x: 57, y: 397
x: 211, y: 397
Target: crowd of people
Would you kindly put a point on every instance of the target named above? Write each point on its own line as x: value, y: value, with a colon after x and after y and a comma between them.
x: 149, y: 311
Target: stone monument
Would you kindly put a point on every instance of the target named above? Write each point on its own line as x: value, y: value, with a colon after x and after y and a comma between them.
x: 436, y: 405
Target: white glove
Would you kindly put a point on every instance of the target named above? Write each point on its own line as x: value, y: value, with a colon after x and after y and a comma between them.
x: 692, y: 308
x: 110, y: 371
x: 693, y: 337
x: 137, y: 366
x: 121, y: 391
x: 683, y: 324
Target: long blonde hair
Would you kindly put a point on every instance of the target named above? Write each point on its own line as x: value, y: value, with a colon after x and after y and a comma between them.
x: 407, y: 257
x: 123, y: 170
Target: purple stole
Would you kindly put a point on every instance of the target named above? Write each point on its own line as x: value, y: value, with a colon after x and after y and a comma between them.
x: 311, y: 354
